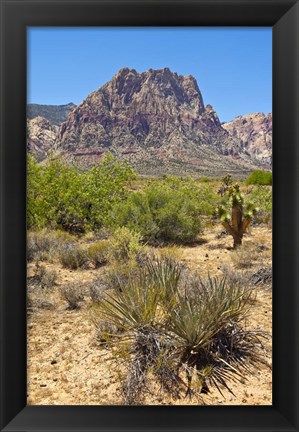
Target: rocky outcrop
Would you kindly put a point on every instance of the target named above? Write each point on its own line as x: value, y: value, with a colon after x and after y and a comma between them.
x: 255, y: 132
x: 41, y: 137
x: 55, y: 114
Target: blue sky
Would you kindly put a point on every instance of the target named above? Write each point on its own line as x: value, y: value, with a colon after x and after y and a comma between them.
x: 233, y: 66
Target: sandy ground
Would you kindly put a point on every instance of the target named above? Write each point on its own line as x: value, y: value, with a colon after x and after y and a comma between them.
x: 66, y: 365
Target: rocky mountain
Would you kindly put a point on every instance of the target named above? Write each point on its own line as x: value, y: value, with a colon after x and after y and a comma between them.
x: 55, y: 114
x: 158, y: 122
x: 255, y: 132
x: 41, y: 137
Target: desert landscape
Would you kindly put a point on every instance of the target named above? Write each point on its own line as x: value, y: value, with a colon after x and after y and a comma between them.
x: 149, y: 248
x: 67, y: 364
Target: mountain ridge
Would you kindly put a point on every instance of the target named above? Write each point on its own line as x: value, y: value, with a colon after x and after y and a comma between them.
x: 157, y: 120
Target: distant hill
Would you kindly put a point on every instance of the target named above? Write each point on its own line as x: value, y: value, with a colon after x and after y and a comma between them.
x: 55, y: 114
x: 255, y: 132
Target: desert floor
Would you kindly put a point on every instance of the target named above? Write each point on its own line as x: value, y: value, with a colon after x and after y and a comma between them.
x: 66, y: 365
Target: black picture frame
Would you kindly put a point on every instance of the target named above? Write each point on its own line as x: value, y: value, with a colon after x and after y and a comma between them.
x: 282, y: 16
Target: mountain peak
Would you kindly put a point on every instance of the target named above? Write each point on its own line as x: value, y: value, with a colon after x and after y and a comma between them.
x: 157, y: 121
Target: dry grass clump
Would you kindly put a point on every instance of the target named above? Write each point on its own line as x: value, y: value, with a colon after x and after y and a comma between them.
x: 74, y: 257
x: 44, y: 245
x: 39, y: 286
x: 173, y: 251
x: 38, y: 245
x: 244, y: 256
x: 237, y: 277
x: 42, y: 278
x: 73, y: 294
x: 36, y: 302
x: 184, y: 331
x: 98, y: 253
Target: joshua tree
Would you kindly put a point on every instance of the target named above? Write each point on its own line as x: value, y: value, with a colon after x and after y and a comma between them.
x: 238, y: 221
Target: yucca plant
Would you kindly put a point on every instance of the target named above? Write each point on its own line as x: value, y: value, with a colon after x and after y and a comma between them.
x: 133, y: 307
x: 197, y: 325
x: 138, y: 308
x: 176, y: 329
x: 165, y: 275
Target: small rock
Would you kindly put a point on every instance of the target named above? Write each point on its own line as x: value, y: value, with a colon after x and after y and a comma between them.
x: 207, y: 255
x: 43, y: 385
x: 244, y: 400
x: 53, y: 362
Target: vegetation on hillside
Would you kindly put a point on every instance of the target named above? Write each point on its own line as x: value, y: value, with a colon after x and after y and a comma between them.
x: 260, y: 177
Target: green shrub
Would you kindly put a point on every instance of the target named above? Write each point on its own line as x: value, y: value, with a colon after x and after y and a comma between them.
x: 261, y: 197
x: 168, y: 210
x: 62, y: 196
x: 98, y: 253
x: 124, y: 245
x: 260, y: 177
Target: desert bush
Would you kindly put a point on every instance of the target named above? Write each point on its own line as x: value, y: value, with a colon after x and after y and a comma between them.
x: 98, y: 287
x: 62, y: 196
x: 46, y: 244
x: 261, y: 197
x: 73, y: 294
x: 236, y: 277
x: 244, y: 256
x: 39, y: 301
x: 42, y: 278
x: 260, y: 177
x: 39, y: 244
x: 124, y: 244
x: 74, y: 257
x: 166, y: 210
x: 98, y: 253
x: 167, y: 331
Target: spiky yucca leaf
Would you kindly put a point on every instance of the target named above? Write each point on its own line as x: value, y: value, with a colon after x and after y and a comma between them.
x: 165, y: 275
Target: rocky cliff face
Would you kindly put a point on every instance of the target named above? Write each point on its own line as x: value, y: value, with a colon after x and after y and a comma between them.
x: 55, y: 114
x: 255, y: 132
x: 41, y: 137
x: 156, y: 120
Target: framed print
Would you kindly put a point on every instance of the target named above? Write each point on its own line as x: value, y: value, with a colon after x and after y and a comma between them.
x: 128, y: 267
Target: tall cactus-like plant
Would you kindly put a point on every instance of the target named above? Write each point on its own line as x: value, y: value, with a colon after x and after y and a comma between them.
x: 235, y: 215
